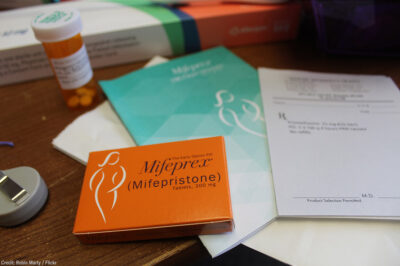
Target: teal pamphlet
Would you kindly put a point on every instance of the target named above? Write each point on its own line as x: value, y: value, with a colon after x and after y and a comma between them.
x: 211, y: 93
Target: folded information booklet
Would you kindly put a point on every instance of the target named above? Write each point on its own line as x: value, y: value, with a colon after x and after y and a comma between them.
x: 210, y: 93
x: 334, y: 142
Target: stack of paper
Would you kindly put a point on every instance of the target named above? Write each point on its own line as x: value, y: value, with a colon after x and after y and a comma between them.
x: 334, y: 142
x: 292, y: 100
x: 203, y: 95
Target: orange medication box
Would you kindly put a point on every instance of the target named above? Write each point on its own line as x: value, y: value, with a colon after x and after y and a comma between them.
x: 155, y: 191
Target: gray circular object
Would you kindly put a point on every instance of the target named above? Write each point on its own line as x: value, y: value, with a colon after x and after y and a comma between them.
x: 16, y: 212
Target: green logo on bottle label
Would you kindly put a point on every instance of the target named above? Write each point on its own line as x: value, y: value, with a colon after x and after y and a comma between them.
x: 53, y: 17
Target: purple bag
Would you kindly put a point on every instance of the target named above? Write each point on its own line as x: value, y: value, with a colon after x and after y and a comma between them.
x: 364, y: 27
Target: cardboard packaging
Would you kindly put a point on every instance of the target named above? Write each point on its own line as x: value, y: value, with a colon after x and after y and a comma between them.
x: 116, y: 34
x: 156, y: 191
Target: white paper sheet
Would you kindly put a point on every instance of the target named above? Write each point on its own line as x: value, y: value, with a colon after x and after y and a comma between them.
x: 334, y: 143
x: 328, y: 242
x: 96, y: 130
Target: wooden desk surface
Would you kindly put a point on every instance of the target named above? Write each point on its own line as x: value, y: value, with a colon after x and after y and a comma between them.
x: 33, y: 113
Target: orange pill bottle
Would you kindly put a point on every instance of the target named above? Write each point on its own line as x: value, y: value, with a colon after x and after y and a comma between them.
x: 59, y: 31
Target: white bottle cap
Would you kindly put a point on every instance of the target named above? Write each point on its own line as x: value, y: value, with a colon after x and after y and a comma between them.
x: 57, y: 25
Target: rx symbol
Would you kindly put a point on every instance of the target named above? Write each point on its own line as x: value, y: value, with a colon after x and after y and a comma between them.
x: 282, y: 116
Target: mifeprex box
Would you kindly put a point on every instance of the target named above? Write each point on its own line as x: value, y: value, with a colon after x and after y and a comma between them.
x: 155, y: 191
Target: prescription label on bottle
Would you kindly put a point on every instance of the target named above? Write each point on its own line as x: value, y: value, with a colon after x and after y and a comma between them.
x: 73, y: 71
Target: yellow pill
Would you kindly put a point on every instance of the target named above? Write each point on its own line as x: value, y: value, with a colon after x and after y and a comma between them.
x: 81, y: 91
x: 86, y: 100
x: 90, y: 92
x: 73, y: 101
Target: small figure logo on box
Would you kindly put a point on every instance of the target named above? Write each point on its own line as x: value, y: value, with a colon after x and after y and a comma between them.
x: 110, y: 184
